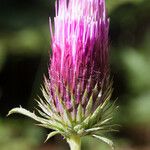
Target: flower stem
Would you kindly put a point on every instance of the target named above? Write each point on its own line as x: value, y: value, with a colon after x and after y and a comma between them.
x: 74, y: 142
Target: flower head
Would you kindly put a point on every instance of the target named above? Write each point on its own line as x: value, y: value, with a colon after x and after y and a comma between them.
x: 80, y: 50
x: 78, y: 90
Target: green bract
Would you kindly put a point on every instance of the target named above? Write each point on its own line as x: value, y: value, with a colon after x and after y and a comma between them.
x: 84, y: 122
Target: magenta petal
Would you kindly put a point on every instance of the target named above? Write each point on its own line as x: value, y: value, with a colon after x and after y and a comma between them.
x: 80, y: 48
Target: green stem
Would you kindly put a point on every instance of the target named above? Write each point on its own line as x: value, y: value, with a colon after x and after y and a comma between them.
x: 74, y: 142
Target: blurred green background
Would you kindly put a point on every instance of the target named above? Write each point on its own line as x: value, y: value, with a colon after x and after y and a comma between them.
x: 24, y: 52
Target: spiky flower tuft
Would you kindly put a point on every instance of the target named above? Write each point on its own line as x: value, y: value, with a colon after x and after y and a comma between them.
x: 76, y: 95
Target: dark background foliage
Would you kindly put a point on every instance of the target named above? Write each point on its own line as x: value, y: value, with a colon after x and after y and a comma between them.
x: 24, y: 56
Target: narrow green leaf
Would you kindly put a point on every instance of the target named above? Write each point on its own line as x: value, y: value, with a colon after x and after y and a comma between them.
x: 86, y: 121
x: 54, y: 120
x: 103, y: 122
x: 98, y: 98
x: 46, y: 84
x: 85, y: 95
x: 66, y: 114
x: 73, y: 106
x: 45, y: 94
x: 84, y: 124
x: 28, y: 114
x: 94, y: 129
x: 95, y: 90
x: 43, y: 114
x: 105, y: 140
x: 106, y: 100
x: 44, y: 108
x: 96, y: 116
x: 51, y: 135
x: 55, y: 127
x: 106, y: 96
x: 47, y: 126
x: 79, y: 113
x: 89, y: 105
x: 49, y: 112
x: 102, y: 129
x: 109, y: 112
x: 49, y: 102
x: 111, y: 105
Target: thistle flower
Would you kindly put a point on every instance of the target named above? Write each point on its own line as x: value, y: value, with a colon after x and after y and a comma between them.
x: 77, y: 92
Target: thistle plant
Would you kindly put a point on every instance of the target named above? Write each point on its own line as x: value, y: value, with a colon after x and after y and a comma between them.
x: 76, y: 95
